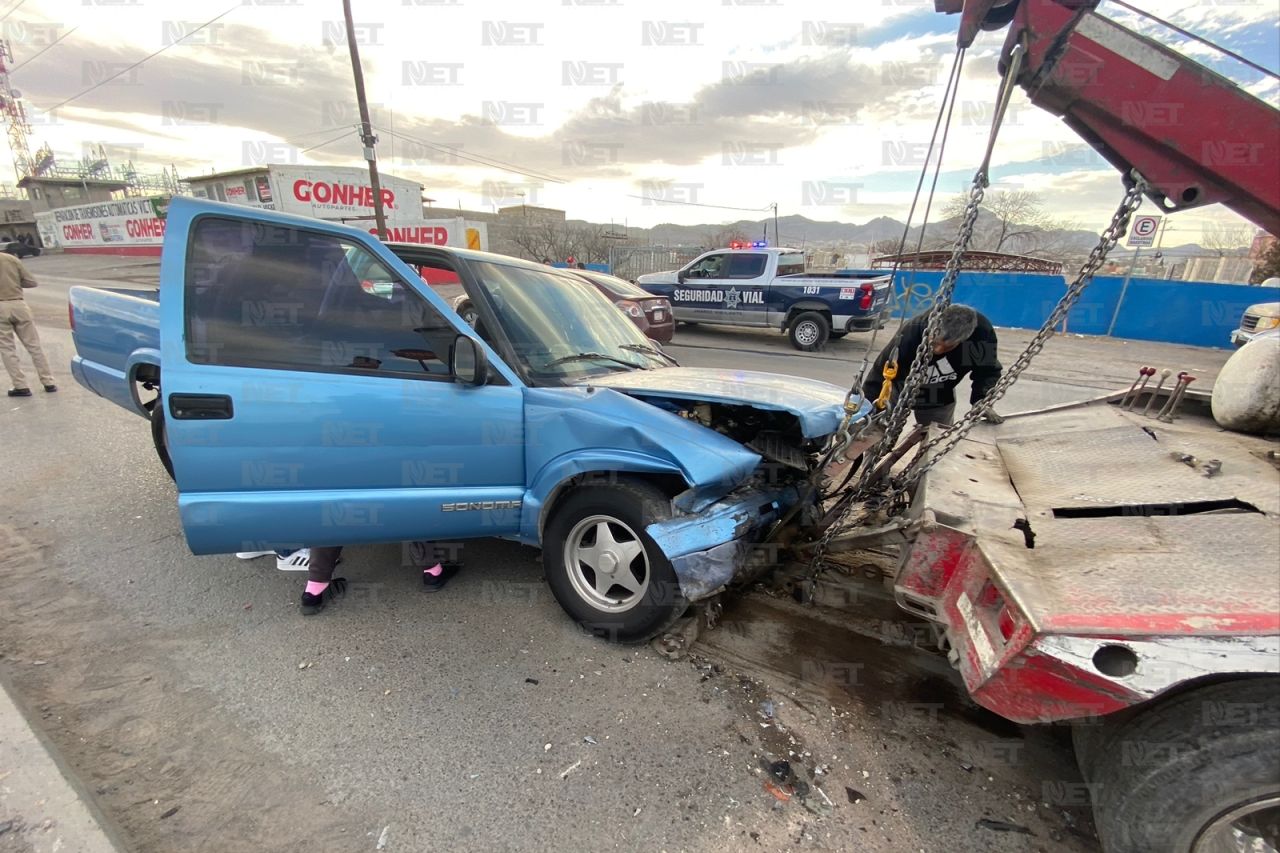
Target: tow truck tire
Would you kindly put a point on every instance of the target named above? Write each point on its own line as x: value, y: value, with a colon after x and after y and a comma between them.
x: 809, y: 331
x: 651, y: 600
x: 160, y: 436
x: 1179, y: 775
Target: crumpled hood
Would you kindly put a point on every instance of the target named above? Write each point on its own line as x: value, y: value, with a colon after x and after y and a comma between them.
x: 819, y: 406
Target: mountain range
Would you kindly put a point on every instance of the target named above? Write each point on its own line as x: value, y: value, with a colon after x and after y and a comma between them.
x: 802, y: 232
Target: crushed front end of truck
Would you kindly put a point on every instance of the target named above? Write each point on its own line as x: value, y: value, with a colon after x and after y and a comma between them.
x: 726, y: 530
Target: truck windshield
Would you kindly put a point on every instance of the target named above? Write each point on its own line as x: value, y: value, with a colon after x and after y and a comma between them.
x: 561, y: 328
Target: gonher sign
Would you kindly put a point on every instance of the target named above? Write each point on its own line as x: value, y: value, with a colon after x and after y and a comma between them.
x: 437, y: 232
x: 335, y: 193
x: 1142, y: 232
x: 338, y: 193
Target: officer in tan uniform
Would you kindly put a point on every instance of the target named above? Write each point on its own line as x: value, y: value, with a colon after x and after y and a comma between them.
x: 16, y: 320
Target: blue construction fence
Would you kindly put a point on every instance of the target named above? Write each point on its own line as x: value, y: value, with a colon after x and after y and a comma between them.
x: 1196, y: 313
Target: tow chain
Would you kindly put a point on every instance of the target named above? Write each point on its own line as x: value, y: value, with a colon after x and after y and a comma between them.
x: 895, y: 417
x: 935, y: 449
x: 945, y: 441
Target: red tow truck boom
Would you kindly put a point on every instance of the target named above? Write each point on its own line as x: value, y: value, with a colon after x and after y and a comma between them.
x: 1195, y: 136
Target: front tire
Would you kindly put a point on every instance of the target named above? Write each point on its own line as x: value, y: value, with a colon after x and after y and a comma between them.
x: 1191, y: 773
x: 604, y: 569
x: 809, y: 331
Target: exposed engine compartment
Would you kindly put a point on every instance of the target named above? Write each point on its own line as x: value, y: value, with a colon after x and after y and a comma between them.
x: 775, y: 435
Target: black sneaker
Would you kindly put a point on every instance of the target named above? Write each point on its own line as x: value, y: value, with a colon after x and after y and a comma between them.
x: 313, y: 604
x: 49, y: 389
x: 435, y: 583
x: 19, y: 392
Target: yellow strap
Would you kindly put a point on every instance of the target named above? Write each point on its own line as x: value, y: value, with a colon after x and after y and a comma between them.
x: 890, y: 373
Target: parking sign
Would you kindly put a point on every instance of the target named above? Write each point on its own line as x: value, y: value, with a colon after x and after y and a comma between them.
x: 1143, y: 231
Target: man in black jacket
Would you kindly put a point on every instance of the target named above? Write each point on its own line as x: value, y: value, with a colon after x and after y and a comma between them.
x: 966, y: 345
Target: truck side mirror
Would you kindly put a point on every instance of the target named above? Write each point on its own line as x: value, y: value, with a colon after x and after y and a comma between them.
x: 681, y: 276
x: 470, y: 364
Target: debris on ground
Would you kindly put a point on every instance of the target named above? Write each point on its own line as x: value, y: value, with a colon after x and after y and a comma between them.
x: 531, y: 681
x: 170, y: 813
x: 1002, y: 826
x: 564, y: 774
x: 382, y: 837
x: 589, y: 739
x: 779, y: 793
x: 855, y: 797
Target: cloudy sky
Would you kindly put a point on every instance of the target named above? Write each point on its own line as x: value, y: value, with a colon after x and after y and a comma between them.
x: 610, y: 109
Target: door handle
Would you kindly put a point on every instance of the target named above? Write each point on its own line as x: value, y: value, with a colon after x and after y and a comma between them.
x: 200, y: 407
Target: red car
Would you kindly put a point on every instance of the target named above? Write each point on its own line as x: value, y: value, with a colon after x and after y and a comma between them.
x: 652, y: 314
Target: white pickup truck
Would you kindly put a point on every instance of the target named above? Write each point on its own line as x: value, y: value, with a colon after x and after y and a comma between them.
x: 768, y: 288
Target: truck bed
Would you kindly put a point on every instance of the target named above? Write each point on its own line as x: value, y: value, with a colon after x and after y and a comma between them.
x: 112, y: 328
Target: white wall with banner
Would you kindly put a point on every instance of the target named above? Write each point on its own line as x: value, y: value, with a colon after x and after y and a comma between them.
x: 133, y: 226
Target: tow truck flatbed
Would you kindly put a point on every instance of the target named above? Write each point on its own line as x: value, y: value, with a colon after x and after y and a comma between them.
x: 1078, y: 566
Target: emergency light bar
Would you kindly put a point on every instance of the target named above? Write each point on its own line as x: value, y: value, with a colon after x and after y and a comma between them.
x: 747, y: 244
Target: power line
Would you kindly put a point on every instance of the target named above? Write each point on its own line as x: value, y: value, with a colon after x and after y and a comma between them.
x: 126, y: 70
x: 12, y: 9
x: 661, y: 201
x: 43, y: 49
x: 342, y: 135
x: 484, y: 161
x: 1177, y: 29
x: 299, y: 136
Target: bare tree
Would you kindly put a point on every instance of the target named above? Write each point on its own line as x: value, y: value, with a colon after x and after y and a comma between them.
x: 1014, y: 218
x: 1222, y: 238
x: 887, y: 246
x: 1268, y: 265
x: 723, y: 237
x: 1015, y: 221
x: 548, y: 239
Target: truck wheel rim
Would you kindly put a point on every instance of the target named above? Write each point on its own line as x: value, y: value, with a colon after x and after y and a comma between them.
x: 807, y: 333
x: 608, y: 566
x: 1250, y: 828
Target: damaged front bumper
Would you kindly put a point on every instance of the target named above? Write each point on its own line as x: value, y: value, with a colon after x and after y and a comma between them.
x: 711, y: 549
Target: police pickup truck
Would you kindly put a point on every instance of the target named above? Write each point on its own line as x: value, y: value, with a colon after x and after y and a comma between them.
x: 768, y: 288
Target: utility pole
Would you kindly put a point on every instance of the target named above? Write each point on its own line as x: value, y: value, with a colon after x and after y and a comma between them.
x: 777, y: 238
x: 366, y: 128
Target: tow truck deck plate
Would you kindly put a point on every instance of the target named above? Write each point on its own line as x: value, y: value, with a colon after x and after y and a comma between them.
x: 1146, y: 564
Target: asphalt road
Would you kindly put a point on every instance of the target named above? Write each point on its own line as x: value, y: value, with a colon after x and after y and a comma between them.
x: 205, y: 713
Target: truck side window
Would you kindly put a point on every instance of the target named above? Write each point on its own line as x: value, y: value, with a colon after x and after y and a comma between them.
x: 746, y: 265
x: 791, y: 264
x: 267, y: 296
x: 708, y: 267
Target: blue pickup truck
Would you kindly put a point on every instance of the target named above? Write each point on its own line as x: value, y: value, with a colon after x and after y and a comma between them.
x: 769, y: 288
x: 305, y: 386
